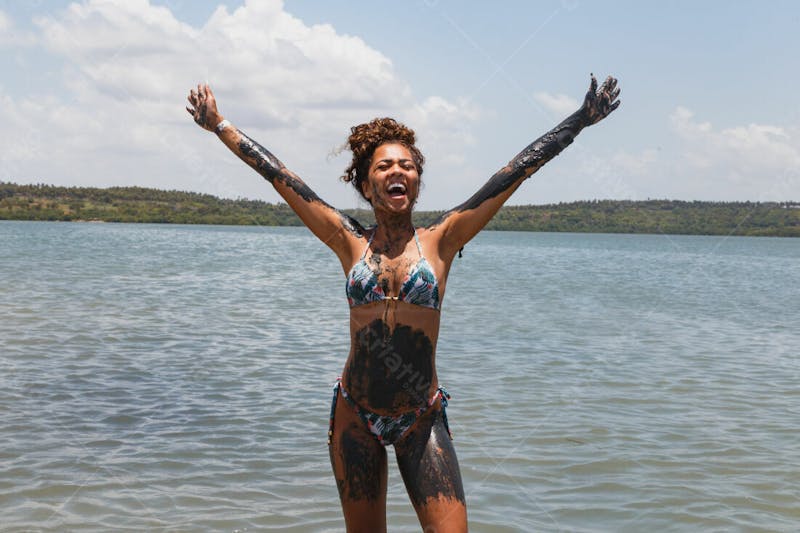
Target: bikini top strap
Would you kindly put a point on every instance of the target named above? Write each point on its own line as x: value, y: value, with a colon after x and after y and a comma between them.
x: 364, y: 254
x: 419, y: 246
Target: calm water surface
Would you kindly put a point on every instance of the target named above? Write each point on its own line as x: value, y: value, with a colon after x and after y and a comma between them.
x: 178, y: 378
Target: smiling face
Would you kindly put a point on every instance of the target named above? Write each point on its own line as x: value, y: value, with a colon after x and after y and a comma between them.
x: 393, y: 180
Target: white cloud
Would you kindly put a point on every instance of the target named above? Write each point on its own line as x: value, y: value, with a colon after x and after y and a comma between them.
x: 756, y: 161
x: 443, y: 126
x: 558, y: 104
x: 10, y: 35
x: 119, y: 117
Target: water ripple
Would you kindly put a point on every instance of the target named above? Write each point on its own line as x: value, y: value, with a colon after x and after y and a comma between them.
x: 168, y: 378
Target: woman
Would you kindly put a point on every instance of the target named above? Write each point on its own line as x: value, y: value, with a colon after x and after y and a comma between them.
x: 396, y: 278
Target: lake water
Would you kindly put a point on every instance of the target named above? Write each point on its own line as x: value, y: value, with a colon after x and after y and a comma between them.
x: 178, y: 378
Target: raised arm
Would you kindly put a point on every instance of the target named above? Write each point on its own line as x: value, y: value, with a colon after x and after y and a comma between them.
x: 464, y: 221
x: 331, y: 226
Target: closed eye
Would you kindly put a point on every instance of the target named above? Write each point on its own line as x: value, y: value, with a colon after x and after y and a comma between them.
x: 405, y: 164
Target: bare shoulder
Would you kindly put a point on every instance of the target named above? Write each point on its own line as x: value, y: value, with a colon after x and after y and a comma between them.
x: 429, y: 237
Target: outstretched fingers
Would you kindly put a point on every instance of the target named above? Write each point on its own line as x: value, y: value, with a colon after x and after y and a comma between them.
x: 193, y: 101
x: 611, y: 93
x: 591, y: 94
x: 600, y: 101
x: 203, y: 107
x: 610, y: 85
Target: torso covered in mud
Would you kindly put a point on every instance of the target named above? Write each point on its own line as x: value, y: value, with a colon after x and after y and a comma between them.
x: 394, y: 326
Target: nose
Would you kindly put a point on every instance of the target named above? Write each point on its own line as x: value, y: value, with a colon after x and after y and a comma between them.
x: 395, y: 169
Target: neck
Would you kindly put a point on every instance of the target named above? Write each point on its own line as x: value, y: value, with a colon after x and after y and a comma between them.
x: 393, y: 229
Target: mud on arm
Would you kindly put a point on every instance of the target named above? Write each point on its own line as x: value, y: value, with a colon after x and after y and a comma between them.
x: 464, y: 221
x: 331, y: 226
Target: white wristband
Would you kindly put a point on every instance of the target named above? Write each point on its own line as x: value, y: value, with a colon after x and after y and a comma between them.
x: 221, y: 126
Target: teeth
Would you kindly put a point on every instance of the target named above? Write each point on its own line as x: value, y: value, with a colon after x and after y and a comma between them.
x: 397, y: 188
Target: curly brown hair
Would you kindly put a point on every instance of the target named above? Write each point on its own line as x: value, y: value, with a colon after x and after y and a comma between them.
x: 364, y: 139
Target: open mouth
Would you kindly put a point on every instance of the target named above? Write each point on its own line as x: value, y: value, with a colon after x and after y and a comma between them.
x: 396, y: 190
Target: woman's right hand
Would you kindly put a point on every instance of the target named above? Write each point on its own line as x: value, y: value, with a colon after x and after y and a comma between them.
x: 204, y: 107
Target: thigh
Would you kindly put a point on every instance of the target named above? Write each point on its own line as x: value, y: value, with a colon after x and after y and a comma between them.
x: 359, y: 466
x: 428, y: 464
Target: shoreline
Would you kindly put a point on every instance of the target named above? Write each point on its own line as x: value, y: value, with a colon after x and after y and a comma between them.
x: 143, y: 205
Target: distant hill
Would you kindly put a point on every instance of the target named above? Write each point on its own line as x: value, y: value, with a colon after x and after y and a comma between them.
x: 138, y: 204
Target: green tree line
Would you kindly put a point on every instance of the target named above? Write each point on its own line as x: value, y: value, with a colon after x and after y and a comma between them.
x: 138, y: 204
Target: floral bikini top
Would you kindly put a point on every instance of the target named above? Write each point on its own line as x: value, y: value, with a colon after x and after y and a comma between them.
x: 419, y: 287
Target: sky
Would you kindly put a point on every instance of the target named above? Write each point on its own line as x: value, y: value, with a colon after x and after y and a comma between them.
x: 92, y: 93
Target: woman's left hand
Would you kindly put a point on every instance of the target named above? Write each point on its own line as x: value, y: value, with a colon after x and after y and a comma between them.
x: 599, y: 103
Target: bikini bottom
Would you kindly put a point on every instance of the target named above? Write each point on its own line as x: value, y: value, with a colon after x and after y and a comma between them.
x: 388, y: 429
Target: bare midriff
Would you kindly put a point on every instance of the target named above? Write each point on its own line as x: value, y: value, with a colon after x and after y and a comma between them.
x: 391, y: 368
